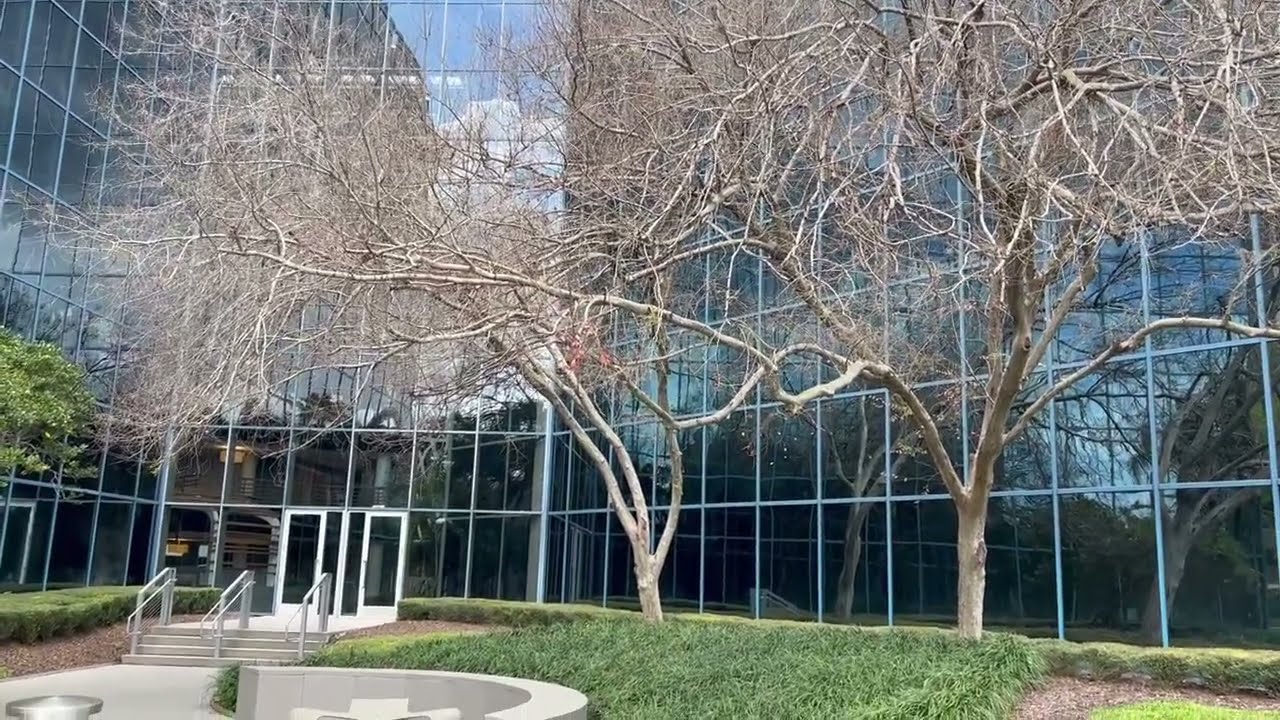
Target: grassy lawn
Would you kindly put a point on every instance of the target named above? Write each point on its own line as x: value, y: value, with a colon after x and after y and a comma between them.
x: 727, y: 670
x: 1179, y: 711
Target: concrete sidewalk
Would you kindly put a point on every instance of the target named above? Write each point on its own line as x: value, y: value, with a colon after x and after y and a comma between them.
x: 128, y: 692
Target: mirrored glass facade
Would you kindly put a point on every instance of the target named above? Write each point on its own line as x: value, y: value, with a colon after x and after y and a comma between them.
x: 811, y: 517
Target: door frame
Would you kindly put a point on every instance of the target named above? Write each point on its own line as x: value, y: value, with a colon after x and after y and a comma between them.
x: 369, y: 515
x: 280, y: 605
x: 344, y: 538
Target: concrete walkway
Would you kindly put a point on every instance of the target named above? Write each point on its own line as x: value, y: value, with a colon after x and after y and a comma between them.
x: 128, y: 692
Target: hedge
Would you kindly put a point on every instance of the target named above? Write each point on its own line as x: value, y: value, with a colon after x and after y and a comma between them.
x: 34, y: 617
x: 506, y: 613
x: 1219, y: 669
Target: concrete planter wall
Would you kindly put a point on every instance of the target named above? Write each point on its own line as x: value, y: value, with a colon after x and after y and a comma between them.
x: 302, y: 693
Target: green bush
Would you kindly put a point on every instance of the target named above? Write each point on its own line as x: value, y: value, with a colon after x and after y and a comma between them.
x: 1215, y: 668
x: 1220, y: 669
x: 724, y: 670
x: 1178, y: 711
x: 505, y: 613
x: 34, y: 617
x: 226, y: 686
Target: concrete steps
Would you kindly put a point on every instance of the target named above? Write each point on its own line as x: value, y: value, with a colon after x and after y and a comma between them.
x: 184, y: 646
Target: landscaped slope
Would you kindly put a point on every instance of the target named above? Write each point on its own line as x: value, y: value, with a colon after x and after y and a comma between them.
x: 732, y: 670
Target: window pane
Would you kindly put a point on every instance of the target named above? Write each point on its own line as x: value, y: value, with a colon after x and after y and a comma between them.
x: 1108, y: 567
x: 856, y: 557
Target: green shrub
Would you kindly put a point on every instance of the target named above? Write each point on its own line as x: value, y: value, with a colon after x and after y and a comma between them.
x: 711, y: 664
x: 1219, y: 669
x: 505, y: 613
x: 226, y: 686
x: 726, y: 670
x: 34, y: 617
x: 1178, y: 711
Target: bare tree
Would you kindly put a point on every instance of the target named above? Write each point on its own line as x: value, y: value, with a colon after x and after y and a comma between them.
x: 294, y: 196
x: 906, y: 168
x: 890, y: 173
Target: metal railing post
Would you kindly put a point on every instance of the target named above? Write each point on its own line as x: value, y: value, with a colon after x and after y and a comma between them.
x: 302, y: 635
x: 160, y: 588
x: 166, y: 603
x: 217, y: 638
x: 325, y: 591
x: 246, y: 603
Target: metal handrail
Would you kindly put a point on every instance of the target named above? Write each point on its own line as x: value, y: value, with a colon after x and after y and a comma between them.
x: 768, y: 597
x: 161, y: 586
x: 318, y: 595
x: 241, y: 591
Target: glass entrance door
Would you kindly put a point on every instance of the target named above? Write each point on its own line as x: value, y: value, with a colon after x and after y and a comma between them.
x: 309, y: 547
x: 372, y: 571
x: 383, y: 561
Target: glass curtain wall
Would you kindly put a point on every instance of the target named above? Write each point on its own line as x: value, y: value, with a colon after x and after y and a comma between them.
x: 815, y: 517
x: 58, y: 60
x: 785, y: 516
x: 221, y: 511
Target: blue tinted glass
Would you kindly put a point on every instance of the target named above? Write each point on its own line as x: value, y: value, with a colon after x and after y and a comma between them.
x: 417, y: 34
x: 471, y: 38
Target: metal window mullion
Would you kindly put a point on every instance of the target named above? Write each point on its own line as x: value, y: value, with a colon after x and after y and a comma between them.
x: 888, y: 505
x: 1157, y: 501
x: 471, y: 514
x: 1255, y: 233
x: 544, y: 512
x: 1055, y: 497
x: 818, y: 507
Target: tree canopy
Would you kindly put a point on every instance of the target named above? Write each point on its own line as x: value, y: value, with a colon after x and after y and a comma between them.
x: 44, y: 405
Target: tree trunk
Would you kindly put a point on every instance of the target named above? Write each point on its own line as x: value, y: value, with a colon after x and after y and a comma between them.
x: 971, y: 547
x: 1177, y: 546
x: 647, y: 583
x: 846, y: 585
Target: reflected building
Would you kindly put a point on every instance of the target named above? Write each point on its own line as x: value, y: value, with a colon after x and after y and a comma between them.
x: 812, y: 517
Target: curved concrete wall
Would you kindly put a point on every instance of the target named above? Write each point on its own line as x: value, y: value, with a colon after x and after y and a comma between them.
x: 304, y: 693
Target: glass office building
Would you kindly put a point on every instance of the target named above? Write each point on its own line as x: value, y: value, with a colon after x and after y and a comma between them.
x: 812, y: 517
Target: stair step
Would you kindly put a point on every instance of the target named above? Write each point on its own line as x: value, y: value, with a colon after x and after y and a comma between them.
x: 232, y: 632
x: 190, y: 661
x: 232, y: 642
x: 282, y: 653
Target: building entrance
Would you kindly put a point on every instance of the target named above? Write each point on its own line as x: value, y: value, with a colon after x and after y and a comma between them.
x: 363, y: 549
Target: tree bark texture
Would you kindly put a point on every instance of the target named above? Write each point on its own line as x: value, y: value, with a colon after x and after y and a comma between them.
x: 646, y: 581
x: 972, y: 550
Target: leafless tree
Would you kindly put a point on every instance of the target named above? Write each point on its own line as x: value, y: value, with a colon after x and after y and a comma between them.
x: 903, y: 169
x: 891, y: 173
x: 293, y: 195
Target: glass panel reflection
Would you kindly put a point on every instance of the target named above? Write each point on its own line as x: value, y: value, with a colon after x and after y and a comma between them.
x: 382, y: 561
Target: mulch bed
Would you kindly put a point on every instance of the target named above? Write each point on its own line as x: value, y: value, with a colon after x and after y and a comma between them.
x: 418, y: 627
x: 1073, y: 699
x: 103, y: 646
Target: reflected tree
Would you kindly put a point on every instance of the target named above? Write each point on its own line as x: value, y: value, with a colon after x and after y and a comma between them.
x: 1212, y: 428
x: 1108, y: 541
x: 854, y: 450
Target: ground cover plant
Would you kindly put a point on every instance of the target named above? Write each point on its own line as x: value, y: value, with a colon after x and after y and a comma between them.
x: 726, y: 670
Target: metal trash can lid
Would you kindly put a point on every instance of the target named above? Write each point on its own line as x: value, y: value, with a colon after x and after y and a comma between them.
x: 33, y: 707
